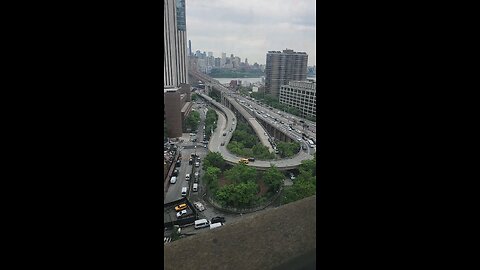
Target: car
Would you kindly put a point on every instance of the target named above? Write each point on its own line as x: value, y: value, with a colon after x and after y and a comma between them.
x: 251, y: 159
x: 197, y: 164
x: 179, y: 163
x: 195, y: 187
x: 304, y: 147
x: 243, y: 160
x: 181, y: 207
x: 204, y: 146
x: 175, y: 172
x: 292, y: 176
x: 187, y: 176
x: 181, y: 213
x: 222, y: 144
x: 190, y: 161
x: 199, y: 206
x: 218, y: 219
x: 224, y: 134
x: 173, y: 180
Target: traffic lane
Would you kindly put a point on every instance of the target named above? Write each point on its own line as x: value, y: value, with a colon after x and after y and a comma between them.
x: 174, y: 191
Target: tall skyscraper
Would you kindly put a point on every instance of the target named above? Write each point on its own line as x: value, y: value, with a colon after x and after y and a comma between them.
x: 175, y: 77
x: 282, y: 67
x: 175, y: 35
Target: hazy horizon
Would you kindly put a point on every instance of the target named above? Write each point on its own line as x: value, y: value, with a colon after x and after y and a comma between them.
x: 251, y: 28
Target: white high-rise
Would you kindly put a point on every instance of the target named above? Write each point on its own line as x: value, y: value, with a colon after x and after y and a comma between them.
x: 175, y: 44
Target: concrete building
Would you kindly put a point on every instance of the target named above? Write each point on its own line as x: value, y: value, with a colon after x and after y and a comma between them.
x: 282, y: 67
x: 301, y: 95
x: 177, y: 106
x: 175, y: 77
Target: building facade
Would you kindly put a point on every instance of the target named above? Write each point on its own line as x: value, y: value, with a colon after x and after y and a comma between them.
x: 175, y: 77
x: 282, y: 67
x: 301, y: 95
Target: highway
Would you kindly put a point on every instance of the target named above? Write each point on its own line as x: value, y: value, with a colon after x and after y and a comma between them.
x: 224, y: 123
x: 281, y: 116
x: 227, y: 124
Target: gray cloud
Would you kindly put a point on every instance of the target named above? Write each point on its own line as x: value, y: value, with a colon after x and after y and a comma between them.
x: 250, y: 28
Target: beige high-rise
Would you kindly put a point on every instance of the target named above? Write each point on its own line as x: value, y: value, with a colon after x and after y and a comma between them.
x: 282, y: 67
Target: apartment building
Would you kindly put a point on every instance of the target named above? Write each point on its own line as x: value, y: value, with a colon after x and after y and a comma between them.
x: 282, y: 67
x: 301, y: 95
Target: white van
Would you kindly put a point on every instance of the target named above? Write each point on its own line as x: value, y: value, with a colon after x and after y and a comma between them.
x: 215, y: 225
x: 173, y: 180
x: 195, y: 187
x: 201, y: 223
x: 184, y: 191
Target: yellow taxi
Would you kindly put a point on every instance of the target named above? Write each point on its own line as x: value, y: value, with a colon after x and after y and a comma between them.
x: 181, y: 207
x: 243, y: 160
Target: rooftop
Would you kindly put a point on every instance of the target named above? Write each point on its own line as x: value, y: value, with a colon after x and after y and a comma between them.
x: 279, y: 238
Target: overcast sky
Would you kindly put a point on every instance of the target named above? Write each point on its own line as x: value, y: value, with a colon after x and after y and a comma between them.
x: 250, y: 28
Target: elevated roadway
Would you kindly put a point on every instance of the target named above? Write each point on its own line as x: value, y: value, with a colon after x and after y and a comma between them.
x: 226, y: 122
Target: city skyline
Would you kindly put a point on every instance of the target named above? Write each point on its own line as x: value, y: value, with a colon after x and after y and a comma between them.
x: 251, y: 28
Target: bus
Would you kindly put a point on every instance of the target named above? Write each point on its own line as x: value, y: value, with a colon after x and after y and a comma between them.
x: 311, y: 144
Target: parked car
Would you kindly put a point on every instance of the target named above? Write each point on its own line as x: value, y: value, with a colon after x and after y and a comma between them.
x: 218, y: 219
x: 196, y: 174
x: 222, y: 144
x: 199, y: 206
x: 181, y: 207
x: 190, y: 161
x: 224, y: 134
x: 181, y: 213
x: 173, y: 180
x: 197, y: 164
x: 304, y: 147
x: 179, y: 163
x: 175, y: 172
x: 195, y: 187
x: 251, y: 159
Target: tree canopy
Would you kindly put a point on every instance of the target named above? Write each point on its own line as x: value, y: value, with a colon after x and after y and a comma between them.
x: 193, y: 120
x: 288, y: 149
x: 238, y: 195
x: 273, y: 178
x: 214, y: 159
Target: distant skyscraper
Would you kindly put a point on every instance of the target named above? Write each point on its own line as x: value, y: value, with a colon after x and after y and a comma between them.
x: 189, y: 48
x: 282, y: 67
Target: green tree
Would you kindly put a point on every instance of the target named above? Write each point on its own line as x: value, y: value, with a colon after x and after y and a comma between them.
x: 288, y: 149
x: 194, y: 97
x: 273, y: 178
x: 241, y: 173
x: 300, y: 189
x: 238, y: 195
x: 214, y: 159
x: 211, y: 178
x: 193, y: 120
